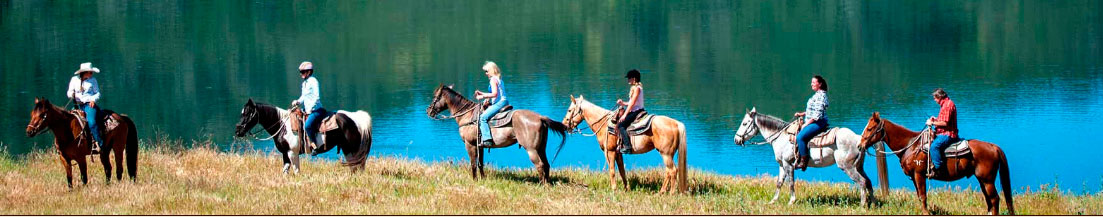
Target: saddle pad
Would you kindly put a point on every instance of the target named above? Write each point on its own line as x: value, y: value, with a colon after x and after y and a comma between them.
x: 502, y: 119
x: 827, y: 138
x: 958, y: 149
x: 110, y: 124
x: 328, y: 124
x: 638, y: 127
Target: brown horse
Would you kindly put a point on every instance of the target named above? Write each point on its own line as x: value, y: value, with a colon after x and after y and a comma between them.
x: 667, y: 135
x: 528, y: 129
x: 73, y: 143
x: 985, y: 161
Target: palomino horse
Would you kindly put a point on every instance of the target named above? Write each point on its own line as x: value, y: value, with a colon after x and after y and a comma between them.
x: 845, y: 153
x: 528, y: 129
x: 353, y: 134
x: 984, y: 162
x: 667, y: 135
x: 73, y: 143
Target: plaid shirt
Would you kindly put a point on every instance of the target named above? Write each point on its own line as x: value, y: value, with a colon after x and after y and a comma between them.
x: 816, y: 107
x: 947, y: 112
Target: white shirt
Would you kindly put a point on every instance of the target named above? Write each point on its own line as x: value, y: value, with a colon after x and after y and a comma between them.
x: 83, y: 91
x: 310, y: 94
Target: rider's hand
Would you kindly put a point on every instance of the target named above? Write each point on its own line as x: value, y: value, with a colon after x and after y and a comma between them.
x: 798, y: 114
x: 930, y: 121
x: 621, y: 102
x: 92, y: 104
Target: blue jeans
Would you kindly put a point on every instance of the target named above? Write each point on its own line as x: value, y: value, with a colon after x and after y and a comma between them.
x: 90, y: 115
x: 939, y: 145
x: 484, y: 128
x: 809, y: 132
x: 312, y: 121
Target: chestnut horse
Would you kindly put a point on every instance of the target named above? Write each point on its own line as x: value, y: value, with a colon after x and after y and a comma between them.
x: 73, y: 143
x: 667, y: 136
x: 985, y: 161
x: 528, y: 129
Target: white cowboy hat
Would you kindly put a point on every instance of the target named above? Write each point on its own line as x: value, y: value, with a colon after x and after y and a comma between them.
x: 87, y: 67
x: 306, y: 66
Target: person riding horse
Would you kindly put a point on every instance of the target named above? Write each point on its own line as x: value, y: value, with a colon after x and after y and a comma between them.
x: 85, y: 92
x: 498, y: 101
x: 312, y: 104
x: 945, y: 129
x: 635, y: 107
x: 815, y: 120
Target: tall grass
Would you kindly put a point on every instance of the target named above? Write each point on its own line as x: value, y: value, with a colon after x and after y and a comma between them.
x: 202, y: 180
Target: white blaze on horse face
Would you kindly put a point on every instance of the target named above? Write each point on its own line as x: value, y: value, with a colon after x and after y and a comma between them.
x: 741, y: 134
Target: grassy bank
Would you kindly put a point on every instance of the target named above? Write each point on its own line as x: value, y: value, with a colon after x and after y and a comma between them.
x: 205, y: 181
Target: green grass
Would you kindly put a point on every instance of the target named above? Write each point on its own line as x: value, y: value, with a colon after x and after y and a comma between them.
x: 202, y: 180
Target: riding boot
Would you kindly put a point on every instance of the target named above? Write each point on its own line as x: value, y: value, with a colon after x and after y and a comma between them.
x: 95, y: 147
x: 802, y: 163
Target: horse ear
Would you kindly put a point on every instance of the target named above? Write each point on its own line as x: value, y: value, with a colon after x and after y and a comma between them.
x: 580, y: 96
x: 36, y: 100
x: 754, y: 110
x: 250, y: 102
x: 876, y: 114
x: 451, y: 86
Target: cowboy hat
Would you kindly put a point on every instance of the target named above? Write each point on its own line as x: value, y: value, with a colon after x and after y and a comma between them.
x: 87, y: 67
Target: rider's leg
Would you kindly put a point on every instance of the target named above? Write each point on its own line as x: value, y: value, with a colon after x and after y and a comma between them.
x: 804, y: 136
x: 311, y: 125
x: 90, y: 116
x: 937, y: 147
x: 484, y: 128
x: 622, y: 130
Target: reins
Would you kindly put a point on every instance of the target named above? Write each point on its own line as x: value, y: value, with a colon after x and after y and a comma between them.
x: 771, y: 138
x: 885, y: 138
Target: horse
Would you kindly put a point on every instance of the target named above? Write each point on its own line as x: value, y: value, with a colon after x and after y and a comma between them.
x: 845, y: 153
x: 73, y: 143
x: 352, y: 135
x: 985, y: 162
x: 527, y: 128
x: 667, y: 136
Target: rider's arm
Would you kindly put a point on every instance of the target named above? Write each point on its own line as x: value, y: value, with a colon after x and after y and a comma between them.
x: 74, y: 88
x: 493, y: 89
x: 633, y: 96
x: 94, y: 89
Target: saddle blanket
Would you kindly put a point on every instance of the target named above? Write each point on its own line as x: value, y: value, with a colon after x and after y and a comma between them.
x: 958, y: 149
x: 638, y: 127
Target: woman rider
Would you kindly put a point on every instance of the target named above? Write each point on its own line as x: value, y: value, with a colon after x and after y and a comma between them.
x: 311, y: 100
x: 815, y: 120
x: 498, y: 99
x: 85, y: 91
x: 635, y: 107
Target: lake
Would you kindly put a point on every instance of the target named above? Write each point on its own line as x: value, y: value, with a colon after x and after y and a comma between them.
x: 1026, y: 75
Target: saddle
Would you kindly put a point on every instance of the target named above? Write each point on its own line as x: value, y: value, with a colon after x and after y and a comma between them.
x: 105, y: 118
x: 638, y: 127
x: 824, y: 139
x: 503, y: 118
x: 957, y: 149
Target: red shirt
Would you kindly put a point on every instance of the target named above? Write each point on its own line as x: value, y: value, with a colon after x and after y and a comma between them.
x: 947, y: 113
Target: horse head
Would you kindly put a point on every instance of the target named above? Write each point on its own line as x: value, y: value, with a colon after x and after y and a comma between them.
x: 574, y: 113
x: 39, y: 117
x: 747, y: 128
x: 874, y: 131
x: 443, y: 98
x: 248, y: 119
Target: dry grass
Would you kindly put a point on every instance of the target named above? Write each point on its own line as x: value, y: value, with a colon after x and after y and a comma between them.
x: 204, y: 181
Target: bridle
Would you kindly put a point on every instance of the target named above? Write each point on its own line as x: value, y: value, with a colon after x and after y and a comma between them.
x: 432, y: 108
x: 754, y: 128
x: 577, y: 130
x: 253, y: 116
x: 885, y: 138
x: 37, y: 126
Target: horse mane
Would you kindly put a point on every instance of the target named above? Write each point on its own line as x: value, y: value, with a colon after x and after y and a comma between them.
x: 455, y: 97
x: 771, y: 123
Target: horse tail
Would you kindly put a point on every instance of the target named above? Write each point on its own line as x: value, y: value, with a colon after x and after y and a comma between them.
x: 682, y: 169
x: 1005, y: 181
x: 131, y: 148
x: 559, y: 128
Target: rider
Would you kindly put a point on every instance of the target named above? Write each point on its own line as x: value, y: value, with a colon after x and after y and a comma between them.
x: 85, y: 91
x: 815, y: 120
x: 311, y: 100
x: 945, y: 127
x: 498, y: 99
x: 635, y: 107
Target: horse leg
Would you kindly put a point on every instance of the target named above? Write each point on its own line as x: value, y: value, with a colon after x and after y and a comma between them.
x: 610, y: 159
x: 82, y: 165
x: 920, y: 181
x: 293, y: 155
x: 792, y: 186
x: 540, y: 161
x: 668, y: 176
x: 482, y: 162
x: 991, y: 196
x: 286, y: 162
x: 860, y: 180
x: 68, y: 171
x: 105, y: 158
x: 780, y: 181
x: 620, y: 168
x: 473, y: 155
x: 119, y: 149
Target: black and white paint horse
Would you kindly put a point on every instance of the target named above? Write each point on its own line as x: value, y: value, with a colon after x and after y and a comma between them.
x: 352, y: 136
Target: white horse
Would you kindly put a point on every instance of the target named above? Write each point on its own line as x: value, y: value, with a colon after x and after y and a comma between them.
x: 845, y: 153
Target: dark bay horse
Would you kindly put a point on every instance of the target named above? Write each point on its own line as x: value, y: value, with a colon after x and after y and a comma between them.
x: 353, y: 135
x: 667, y: 136
x: 73, y: 143
x: 985, y: 161
x: 528, y: 129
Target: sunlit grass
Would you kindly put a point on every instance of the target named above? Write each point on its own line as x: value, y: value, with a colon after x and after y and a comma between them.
x: 202, y: 180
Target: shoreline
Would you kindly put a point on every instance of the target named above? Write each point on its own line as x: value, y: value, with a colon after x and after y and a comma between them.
x: 203, y: 180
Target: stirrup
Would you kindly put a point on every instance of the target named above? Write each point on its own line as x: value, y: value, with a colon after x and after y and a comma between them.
x: 486, y: 143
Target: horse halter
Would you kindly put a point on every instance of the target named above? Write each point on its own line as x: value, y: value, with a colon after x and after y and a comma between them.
x: 754, y: 127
